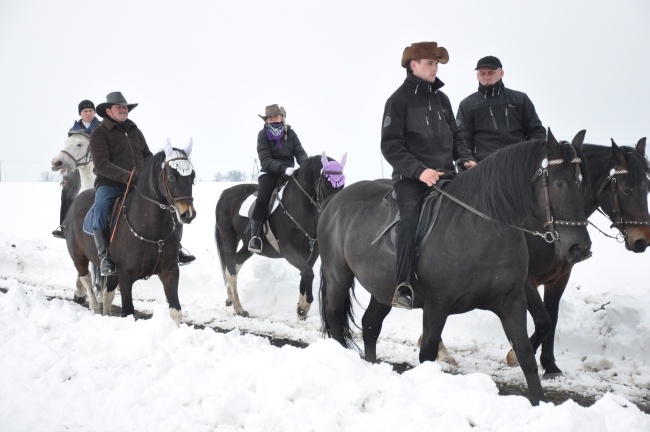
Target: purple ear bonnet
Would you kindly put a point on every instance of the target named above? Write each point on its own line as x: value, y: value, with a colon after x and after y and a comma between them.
x: 333, y: 170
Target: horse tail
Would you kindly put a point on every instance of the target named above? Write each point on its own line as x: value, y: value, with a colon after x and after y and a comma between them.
x: 219, y: 242
x: 345, y: 324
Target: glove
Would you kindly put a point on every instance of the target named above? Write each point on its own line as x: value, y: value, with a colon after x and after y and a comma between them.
x: 289, y: 171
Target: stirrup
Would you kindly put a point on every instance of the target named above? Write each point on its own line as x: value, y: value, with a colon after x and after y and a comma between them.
x: 403, y: 297
x: 252, y: 245
x: 184, y: 257
x: 59, y: 232
x: 107, y: 267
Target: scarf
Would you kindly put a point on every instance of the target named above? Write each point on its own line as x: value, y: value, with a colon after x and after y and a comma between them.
x: 275, y: 132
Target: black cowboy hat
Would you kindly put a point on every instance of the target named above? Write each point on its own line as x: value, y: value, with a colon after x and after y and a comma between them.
x: 114, y: 98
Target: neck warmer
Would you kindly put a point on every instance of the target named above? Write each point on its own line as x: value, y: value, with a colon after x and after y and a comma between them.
x: 275, y: 132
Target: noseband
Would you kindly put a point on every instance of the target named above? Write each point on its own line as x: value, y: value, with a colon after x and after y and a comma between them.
x: 88, y: 158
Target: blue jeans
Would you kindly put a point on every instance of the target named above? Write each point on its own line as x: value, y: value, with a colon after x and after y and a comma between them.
x: 104, y: 198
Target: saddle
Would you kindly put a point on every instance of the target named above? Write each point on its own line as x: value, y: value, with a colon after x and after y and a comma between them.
x: 88, y: 219
x: 426, y: 221
x: 276, y: 196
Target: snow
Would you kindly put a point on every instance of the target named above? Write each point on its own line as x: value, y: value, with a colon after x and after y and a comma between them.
x: 63, y: 368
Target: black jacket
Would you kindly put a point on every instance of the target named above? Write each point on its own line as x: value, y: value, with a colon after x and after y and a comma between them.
x: 495, y: 117
x: 419, y: 130
x: 274, y: 159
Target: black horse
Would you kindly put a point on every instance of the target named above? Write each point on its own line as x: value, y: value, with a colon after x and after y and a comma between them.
x: 618, y: 187
x: 146, y: 239
x: 290, y: 229
x: 467, y: 260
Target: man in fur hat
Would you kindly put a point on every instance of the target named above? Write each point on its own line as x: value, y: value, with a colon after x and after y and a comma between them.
x: 495, y: 116
x: 117, y: 147
x: 421, y: 141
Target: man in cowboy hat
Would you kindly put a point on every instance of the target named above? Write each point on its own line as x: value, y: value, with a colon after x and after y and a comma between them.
x: 420, y: 140
x: 86, y: 124
x: 117, y: 147
x: 495, y: 116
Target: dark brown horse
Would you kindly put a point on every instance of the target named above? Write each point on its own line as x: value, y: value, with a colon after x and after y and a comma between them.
x: 618, y: 187
x: 291, y: 227
x: 146, y: 240
x: 469, y: 259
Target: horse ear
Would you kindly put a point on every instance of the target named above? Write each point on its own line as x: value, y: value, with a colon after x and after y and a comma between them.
x: 551, y: 137
x: 343, y: 160
x: 552, y: 144
x: 640, y: 147
x: 188, y: 149
x: 168, y: 148
x: 618, y: 154
x: 579, y: 139
x: 324, y: 160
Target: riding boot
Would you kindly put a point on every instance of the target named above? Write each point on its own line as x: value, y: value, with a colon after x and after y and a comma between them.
x: 255, y: 244
x: 107, y: 267
x: 184, y: 257
x: 59, y: 232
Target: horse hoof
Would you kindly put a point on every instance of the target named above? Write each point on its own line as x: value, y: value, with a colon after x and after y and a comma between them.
x: 228, y: 302
x: 79, y: 300
x: 243, y: 314
x: 552, y: 375
x: 511, y: 359
x: 302, y: 314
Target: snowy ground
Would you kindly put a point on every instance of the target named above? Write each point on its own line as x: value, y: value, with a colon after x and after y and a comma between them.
x: 61, y: 368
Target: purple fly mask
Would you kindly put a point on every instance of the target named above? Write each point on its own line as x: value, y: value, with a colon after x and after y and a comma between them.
x: 177, y: 160
x: 333, y: 170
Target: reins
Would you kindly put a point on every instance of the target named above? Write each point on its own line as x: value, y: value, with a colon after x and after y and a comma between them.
x: 541, y: 173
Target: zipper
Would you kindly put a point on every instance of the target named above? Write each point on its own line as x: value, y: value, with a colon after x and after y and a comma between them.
x: 507, y: 119
x: 494, y: 122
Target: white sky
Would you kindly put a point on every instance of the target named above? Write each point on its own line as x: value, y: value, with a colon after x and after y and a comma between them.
x: 205, y: 69
x: 63, y: 369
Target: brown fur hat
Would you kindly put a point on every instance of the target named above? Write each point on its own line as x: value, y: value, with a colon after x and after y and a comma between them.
x: 424, y: 50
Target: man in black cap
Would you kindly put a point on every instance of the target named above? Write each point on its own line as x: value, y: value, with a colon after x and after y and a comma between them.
x: 420, y: 140
x: 495, y: 116
x: 117, y: 147
x: 85, y: 124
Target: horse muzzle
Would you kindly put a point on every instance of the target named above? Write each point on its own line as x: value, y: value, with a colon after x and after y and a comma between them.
x: 185, y: 210
x: 574, y: 245
x: 637, y: 238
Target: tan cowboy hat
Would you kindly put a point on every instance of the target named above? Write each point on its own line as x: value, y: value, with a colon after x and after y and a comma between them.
x: 114, y: 98
x: 272, y: 110
x: 424, y: 50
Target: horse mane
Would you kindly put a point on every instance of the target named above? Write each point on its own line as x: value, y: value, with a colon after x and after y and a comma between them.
x: 601, y: 161
x: 501, y: 185
x: 310, y: 171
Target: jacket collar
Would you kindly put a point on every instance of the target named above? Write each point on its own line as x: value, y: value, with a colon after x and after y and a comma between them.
x: 492, y: 90
x: 422, y: 87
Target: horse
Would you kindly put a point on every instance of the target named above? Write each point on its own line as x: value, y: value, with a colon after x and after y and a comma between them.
x: 75, y: 157
x: 290, y: 233
x: 145, y: 239
x: 474, y: 256
x: 617, y: 187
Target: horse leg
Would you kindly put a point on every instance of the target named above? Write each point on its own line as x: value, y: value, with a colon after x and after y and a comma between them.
x: 169, y: 280
x: 306, y: 297
x: 371, y: 324
x: 433, y: 322
x: 126, y: 292
x: 106, y: 286
x: 541, y: 319
x: 336, y: 305
x: 552, y: 295
x: 80, y: 291
x: 230, y: 276
x: 87, y: 283
x: 512, y: 314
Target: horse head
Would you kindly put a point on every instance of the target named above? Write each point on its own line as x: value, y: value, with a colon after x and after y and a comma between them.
x: 561, y: 181
x: 627, y: 203
x: 75, y: 153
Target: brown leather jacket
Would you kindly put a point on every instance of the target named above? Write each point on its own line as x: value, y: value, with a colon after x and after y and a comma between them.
x: 116, y: 148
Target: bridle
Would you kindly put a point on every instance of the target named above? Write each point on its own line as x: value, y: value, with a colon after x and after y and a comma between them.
x: 318, y: 203
x: 616, y: 218
x: 87, y: 158
x: 549, y: 236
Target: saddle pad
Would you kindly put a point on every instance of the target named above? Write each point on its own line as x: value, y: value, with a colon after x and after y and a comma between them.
x: 247, y: 206
x: 88, y: 221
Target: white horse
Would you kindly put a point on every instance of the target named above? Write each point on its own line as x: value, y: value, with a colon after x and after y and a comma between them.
x: 76, y: 156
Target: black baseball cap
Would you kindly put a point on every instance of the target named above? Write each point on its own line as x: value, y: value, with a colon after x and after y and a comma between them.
x: 489, y: 62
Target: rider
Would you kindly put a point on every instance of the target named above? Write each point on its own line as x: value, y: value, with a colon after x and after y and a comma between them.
x: 420, y: 140
x: 118, y: 149
x: 495, y: 116
x: 86, y: 124
x: 277, y: 145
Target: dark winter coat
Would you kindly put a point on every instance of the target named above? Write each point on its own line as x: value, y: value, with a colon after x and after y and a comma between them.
x: 420, y: 131
x: 78, y: 125
x: 116, y: 148
x: 495, y: 117
x: 275, y: 159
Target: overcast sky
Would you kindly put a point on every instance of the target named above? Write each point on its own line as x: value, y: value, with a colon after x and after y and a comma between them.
x: 205, y: 69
